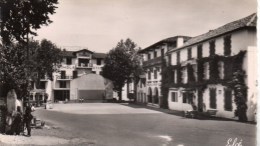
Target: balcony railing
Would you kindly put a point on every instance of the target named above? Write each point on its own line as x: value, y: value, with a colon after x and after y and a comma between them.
x: 152, y: 62
x: 64, y: 77
x: 82, y: 65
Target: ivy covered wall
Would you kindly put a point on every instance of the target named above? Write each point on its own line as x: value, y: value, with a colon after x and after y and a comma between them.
x: 233, y: 78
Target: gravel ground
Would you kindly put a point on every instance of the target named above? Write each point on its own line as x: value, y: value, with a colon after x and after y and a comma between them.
x: 48, y: 135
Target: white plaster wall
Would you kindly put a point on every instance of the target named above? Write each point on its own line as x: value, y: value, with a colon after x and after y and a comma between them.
x: 219, y: 101
x: 145, y: 57
x: 48, y: 89
x: 183, y: 55
x: 73, y: 61
x: 180, y: 41
x: 174, y: 58
x: 151, y: 54
x: 251, y: 80
x: 180, y: 106
x: 159, y: 52
x: 194, y: 52
x: 241, y: 39
x: 205, y: 49
x: 219, y: 46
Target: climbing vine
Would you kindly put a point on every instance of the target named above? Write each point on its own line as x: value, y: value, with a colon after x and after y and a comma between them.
x: 232, y: 65
x: 237, y: 83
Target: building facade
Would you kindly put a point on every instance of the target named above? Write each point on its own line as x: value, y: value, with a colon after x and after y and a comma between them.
x: 79, y: 77
x: 202, y: 69
x: 149, y: 87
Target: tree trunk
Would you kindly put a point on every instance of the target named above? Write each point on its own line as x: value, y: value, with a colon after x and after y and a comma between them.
x: 120, y: 95
x: 127, y: 89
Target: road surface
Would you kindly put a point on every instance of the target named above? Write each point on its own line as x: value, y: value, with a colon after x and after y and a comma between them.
x: 111, y: 124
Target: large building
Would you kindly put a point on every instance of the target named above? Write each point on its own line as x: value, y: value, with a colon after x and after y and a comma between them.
x: 79, y: 77
x: 202, y: 69
x: 149, y: 88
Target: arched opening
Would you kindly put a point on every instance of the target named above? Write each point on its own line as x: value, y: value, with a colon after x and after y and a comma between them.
x: 149, y: 95
x: 156, y: 96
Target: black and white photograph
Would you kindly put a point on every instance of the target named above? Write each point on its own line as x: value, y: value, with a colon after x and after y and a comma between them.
x: 128, y: 73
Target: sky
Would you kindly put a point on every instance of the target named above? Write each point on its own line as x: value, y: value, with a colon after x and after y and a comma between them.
x: 99, y: 25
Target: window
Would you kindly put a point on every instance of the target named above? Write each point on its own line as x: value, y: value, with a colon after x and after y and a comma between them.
x: 155, y: 74
x: 174, y: 97
x: 212, y: 50
x: 227, y: 45
x: 170, y: 59
x: 62, y: 84
x: 99, y: 61
x: 199, y: 51
x: 149, y: 56
x: 228, y: 99
x: 94, y: 72
x: 149, y: 75
x: 178, y: 57
x: 63, y: 74
x: 228, y: 73
x: 75, y: 74
x: 162, y: 52
x: 173, y: 76
x: 68, y: 61
x: 212, y: 100
x: 187, y: 97
x: 189, y: 53
x: 155, y: 54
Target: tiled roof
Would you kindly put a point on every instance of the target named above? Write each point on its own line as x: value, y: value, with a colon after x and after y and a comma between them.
x: 67, y: 53
x: 99, y: 55
x: 84, y: 50
x: 249, y: 21
x: 167, y: 40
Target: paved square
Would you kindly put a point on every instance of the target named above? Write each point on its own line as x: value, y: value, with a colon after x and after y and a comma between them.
x: 100, y: 108
x: 112, y: 124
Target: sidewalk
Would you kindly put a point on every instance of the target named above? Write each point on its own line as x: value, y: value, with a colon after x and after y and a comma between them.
x: 46, y: 136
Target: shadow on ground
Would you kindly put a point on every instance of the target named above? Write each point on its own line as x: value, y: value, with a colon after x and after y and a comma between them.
x: 200, y: 116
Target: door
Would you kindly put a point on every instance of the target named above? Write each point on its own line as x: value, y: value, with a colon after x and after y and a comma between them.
x: 200, y: 101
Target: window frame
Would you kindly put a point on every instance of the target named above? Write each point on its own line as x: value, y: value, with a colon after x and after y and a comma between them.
x: 175, y: 97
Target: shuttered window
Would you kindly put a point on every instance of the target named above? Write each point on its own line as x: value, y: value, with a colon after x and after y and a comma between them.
x: 212, y: 96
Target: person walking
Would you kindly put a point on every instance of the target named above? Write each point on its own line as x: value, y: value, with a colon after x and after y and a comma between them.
x: 27, y: 119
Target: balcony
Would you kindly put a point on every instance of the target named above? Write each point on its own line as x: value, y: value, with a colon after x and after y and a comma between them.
x: 152, y: 62
x: 64, y: 77
x: 83, y: 65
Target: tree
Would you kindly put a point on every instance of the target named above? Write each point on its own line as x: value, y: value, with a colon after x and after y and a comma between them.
x: 45, y: 60
x: 20, y: 17
x: 13, y: 69
x: 122, y: 65
x: 16, y: 70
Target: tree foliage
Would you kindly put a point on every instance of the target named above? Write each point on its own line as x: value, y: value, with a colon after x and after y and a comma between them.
x: 21, y: 17
x: 44, y: 60
x: 13, y: 68
x: 16, y: 70
x: 122, y: 64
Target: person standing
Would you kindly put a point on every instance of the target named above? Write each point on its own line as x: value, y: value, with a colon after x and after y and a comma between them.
x: 27, y: 119
x: 17, y: 123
